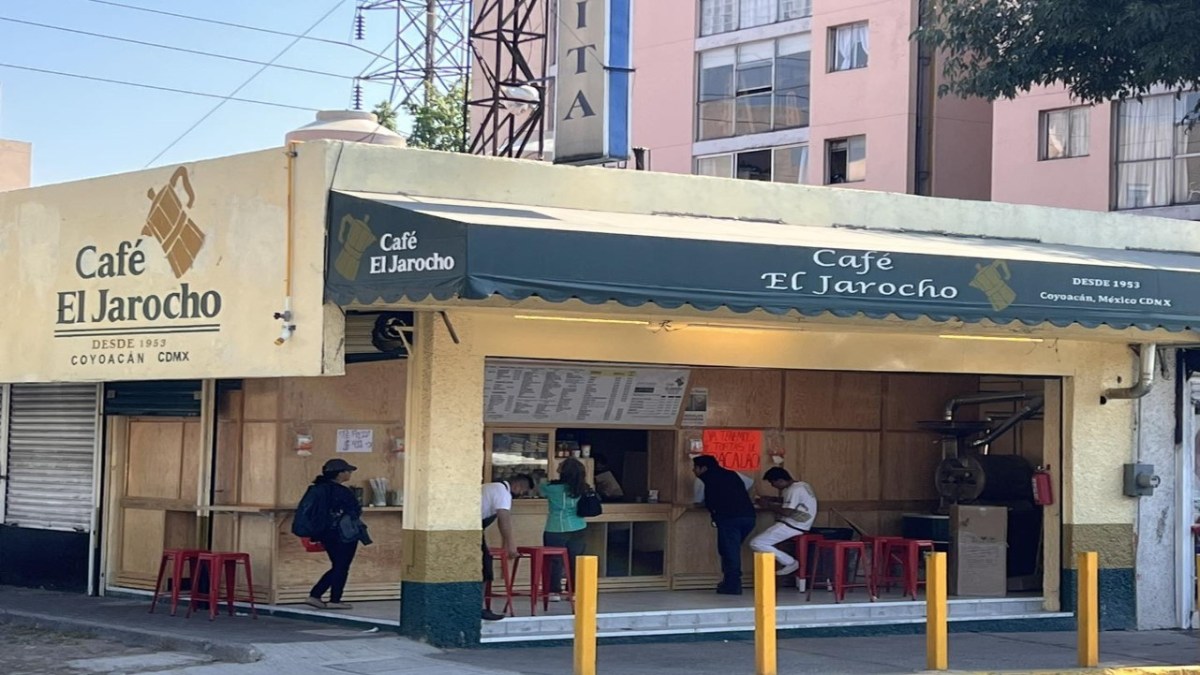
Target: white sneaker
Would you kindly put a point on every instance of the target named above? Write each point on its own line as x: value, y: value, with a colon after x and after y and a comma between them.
x: 556, y: 597
x: 788, y: 569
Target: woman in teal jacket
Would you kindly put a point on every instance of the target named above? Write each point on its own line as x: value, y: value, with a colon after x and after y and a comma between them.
x: 564, y: 527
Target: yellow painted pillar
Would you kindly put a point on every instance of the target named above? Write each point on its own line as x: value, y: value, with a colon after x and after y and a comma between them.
x: 937, y: 653
x: 1087, y: 609
x: 586, y: 570
x: 764, y: 614
x: 1196, y: 608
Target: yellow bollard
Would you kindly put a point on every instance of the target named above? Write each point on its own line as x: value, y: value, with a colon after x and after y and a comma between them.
x: 586, y: 567
x: 764, y: 614
x: 1197, y: 607
x: 937, y: 653
x: 1087, y: 609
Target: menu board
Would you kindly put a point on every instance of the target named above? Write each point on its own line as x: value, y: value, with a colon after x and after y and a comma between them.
x: 523, y: 393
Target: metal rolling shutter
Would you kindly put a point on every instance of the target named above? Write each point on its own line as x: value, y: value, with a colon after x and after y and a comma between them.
x: 51, y: 453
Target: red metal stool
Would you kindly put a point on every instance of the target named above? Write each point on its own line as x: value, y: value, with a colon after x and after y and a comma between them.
x: 803, y: 543
x: 906, y: 553
x: 839, y: 549
x: 878, y: 545
x: 507, y: 573
x: 177, y: 557
x: 539, y: 575
x: 213, y: 563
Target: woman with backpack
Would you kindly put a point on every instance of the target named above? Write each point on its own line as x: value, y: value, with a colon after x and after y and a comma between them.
x: 564, y: 526
x: 336, y: 520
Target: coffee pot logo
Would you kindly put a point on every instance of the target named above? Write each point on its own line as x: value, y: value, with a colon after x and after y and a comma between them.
x: 991, y: 280
x: 168, y: 222
x: 356, y: 237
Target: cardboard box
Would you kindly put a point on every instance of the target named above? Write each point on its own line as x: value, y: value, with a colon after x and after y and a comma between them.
x: 978, y: 551
x: 978, y: 524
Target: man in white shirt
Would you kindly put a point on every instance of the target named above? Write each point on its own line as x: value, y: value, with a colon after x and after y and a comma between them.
x: 795, y: 511
x: 496, y: 501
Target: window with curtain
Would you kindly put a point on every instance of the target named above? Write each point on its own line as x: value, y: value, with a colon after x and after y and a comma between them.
x: 1158, y: 157
x: 723, y: 16
x: 1065, y: 133
x: 846, y: 160
x: 787, y: 164
x: 849, y: 46
x: 753, y: 88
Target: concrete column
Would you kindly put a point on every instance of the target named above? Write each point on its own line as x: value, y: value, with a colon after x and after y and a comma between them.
x: 441, y: 586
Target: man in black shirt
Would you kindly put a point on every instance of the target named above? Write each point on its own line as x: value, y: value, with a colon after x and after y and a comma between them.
x: 732, y: 512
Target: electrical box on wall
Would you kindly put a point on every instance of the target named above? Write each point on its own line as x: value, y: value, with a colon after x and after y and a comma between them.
x: 1140, y: 480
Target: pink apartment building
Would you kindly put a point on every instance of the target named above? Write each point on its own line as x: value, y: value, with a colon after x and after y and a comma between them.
x: 833, y: 92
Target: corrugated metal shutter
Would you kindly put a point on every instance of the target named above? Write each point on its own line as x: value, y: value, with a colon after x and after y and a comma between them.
x: 51, y: 456
x: 361, y: 336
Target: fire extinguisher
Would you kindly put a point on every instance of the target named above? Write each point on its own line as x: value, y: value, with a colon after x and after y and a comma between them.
x: 1043, y: 488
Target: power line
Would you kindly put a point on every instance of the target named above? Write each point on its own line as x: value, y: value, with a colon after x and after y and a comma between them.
x: 155, y: 87
x: 248, y: 80
x: 231, y: 25
x: 184, y: 50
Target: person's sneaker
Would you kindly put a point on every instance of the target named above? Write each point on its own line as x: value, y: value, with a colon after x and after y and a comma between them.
x: 315, y: 602
x: 556, y: 597
x: 788, y: 569
x: 489, y: 615
x: 338, y: 605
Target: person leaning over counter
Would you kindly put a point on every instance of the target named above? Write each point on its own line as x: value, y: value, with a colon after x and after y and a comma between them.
x: 794, y: 511
x: 732, y: 512
x: 606, y: 483
x: 496, y: 502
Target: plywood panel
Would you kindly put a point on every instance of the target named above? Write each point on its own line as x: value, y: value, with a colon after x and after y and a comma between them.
x: 909, y: 465
x: 839, y: 465
x: 741, y: 398
x: 664, y: 458
x: 179, y: 529
x: 256, y: 536
x: 692, y: 536
x: 369, y: 392
x: 909, y: 399
x: 155, y: 459
x: 261, y: 399
x: 189, y: 471
x: 142, y: 542
x: 259, y: 451
x: 832, y: 400
x: 226, y: 483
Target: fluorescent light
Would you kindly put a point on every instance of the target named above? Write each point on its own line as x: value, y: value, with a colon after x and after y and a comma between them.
x: 986, y: 337
x: 580, y: 319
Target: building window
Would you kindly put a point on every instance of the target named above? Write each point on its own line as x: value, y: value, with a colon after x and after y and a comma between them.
x: 849, y: 46
x: 754, y: 88
x: 846, y: 160
x: 787, y: 164
x: 723, y: 16
x: 1158, y: 157
x: 1065, y: 133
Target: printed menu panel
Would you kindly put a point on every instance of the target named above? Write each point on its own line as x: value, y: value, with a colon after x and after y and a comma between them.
x: 519, y: 393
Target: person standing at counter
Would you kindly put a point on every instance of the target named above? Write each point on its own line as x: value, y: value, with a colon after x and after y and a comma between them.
x: 334, y: 501
x: 732, y: 512
x: 564, y: 527
x: 606, y: 483
x: 794, y: 512
x: 496, y: 501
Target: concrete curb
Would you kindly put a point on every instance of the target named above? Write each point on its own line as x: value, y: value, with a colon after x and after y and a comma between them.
x: 1122, y: 670
x: 230, y: 652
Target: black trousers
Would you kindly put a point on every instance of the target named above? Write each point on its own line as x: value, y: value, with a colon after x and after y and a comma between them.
x: 731, y: 534
x: 574, y: 542
x: 341, y: 555
x: 488, y: 574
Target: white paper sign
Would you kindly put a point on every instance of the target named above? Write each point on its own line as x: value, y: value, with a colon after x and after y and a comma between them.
x: 695, y: 412
x: 583, y: 395
x: 355, y: 440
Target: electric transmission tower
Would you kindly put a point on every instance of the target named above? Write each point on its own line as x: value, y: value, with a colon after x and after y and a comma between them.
x: 429, y: 53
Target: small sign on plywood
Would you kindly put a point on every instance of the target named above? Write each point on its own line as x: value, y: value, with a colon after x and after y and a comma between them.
x: 735, y: 449
x: 355, y: 440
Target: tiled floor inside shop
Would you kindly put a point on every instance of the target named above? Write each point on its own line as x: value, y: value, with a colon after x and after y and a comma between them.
x: 679, y: 612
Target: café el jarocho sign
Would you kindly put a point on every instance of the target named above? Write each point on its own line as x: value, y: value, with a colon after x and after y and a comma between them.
x: 386, y: 252
x: 124, y: 324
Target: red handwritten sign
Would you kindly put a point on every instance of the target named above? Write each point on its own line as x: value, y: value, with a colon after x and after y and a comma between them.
x: 736, y: 450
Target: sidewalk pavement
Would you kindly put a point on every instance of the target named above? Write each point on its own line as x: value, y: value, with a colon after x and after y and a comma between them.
x: 270, y: 645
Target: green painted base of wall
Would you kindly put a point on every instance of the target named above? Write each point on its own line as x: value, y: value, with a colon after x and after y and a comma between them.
x: 1118, y: 597
x: 442, y: 614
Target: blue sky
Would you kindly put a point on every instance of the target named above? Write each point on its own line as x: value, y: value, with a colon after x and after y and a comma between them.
x: 81, y: 129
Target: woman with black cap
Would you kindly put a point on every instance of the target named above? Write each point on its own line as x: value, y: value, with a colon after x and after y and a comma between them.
x: 340, y: 502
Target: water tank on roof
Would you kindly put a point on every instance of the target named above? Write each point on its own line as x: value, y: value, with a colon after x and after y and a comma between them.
x: 357, y: 126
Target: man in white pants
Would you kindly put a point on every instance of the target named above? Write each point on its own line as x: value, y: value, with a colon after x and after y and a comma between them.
x: 795, y: 510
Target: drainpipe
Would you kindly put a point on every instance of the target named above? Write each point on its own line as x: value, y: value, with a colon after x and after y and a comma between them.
x: 1145, y: 381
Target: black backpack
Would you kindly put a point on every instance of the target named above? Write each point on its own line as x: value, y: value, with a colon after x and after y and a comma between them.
x: 312, y: 514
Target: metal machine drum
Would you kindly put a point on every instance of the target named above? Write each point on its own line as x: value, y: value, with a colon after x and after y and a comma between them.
x: 997, y: 479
